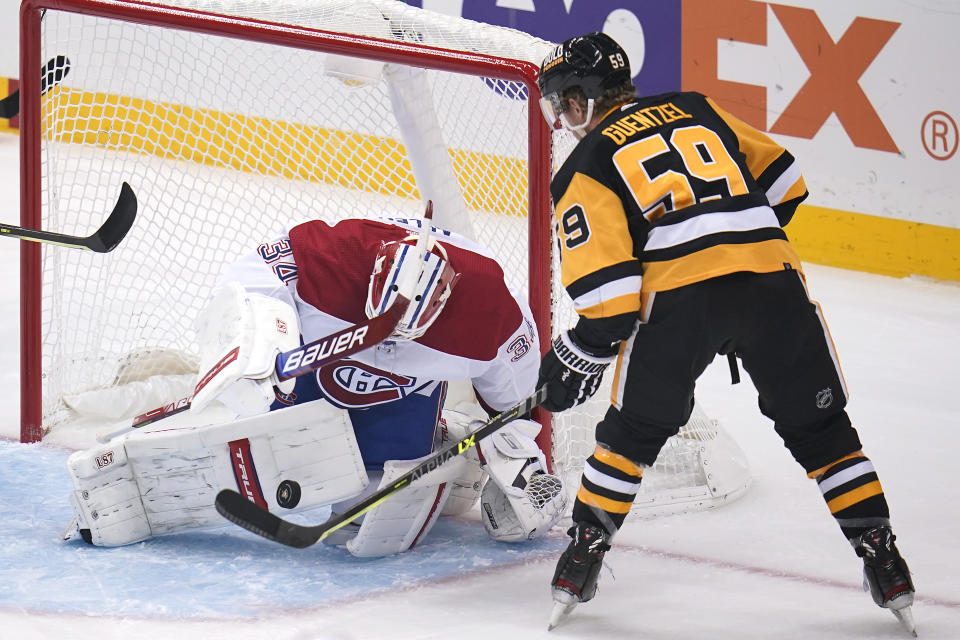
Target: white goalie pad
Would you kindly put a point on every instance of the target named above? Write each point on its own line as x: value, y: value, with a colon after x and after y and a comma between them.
x: 240, y: 336
x: 165, y: 481
x: 520, y: 500
x: 405, y: 518
x: 455, y: 425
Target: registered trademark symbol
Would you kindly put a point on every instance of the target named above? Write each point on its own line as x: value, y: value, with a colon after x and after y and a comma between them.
x: 940, y: 136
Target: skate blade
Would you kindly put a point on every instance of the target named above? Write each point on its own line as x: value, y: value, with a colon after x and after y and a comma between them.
x: 560, y: 612
x: 905, y: 616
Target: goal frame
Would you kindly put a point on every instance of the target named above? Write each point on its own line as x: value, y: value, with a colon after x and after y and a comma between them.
x: 501, y: 68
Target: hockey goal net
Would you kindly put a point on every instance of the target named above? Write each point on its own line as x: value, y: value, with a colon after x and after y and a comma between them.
x: 231, y: 118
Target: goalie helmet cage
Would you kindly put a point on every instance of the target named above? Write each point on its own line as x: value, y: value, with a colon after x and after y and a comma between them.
x: 232, y: 118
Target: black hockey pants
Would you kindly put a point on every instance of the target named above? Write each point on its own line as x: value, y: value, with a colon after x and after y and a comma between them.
x: 769, y: 322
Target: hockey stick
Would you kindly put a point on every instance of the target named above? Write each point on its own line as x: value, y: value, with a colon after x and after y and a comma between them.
x: 178, y: 406
x: 53, y: 72
x: 104, y: 240
x: 237, y: 509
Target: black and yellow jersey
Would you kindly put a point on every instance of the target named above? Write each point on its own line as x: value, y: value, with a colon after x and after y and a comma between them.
x: 667, y: 191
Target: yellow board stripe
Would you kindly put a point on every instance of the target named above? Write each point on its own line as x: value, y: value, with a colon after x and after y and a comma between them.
x: 859, y: 494
x: 274, y: 148
x: 225, y: 140
x: 875, y: 244
x: 593, y: 500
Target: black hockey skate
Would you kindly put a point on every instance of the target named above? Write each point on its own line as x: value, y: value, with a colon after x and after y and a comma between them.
x: 885, y: 574
x: 575, y: 579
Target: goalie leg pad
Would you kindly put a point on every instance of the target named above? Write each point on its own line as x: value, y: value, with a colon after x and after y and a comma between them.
x: 520, y: 500
x: 166, y: 481
x: 406, y: 517
x: 455, y: 425
x: 106, y: 498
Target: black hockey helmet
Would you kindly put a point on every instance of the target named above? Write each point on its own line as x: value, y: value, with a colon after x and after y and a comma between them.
x: 593, y: 62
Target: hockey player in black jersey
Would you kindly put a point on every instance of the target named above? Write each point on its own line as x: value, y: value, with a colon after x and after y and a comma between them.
x: 670, y: 215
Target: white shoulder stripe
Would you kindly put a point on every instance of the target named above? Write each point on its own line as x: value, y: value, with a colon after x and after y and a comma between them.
x: 778, y: 190
x: 608, y: 291
x: 671, y: 235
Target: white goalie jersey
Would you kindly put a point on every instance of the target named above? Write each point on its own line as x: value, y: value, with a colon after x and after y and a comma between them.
x: 484, y: 334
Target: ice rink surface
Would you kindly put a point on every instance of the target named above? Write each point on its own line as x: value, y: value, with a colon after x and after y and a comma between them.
x: 771, y: 565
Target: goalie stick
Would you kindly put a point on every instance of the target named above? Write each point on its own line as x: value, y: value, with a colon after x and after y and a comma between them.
x: 237, y: 509
x: 103, y: 240
x: 53, y: 72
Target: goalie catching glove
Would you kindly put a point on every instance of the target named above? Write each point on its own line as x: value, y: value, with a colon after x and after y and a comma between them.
x: 572, y: 372
x: 520, y: 500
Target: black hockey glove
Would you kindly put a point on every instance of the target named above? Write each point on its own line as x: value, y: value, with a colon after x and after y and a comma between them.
x: 571, y: 372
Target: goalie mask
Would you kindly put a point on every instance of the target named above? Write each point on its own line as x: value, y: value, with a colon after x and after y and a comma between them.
x: 595, y: 63
x: 435, y: 282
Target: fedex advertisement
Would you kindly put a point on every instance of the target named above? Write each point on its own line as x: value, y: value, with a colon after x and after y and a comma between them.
x: 861, y: 91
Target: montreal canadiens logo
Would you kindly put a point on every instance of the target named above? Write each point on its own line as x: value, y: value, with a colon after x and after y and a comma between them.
x: 350, y: 384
